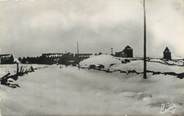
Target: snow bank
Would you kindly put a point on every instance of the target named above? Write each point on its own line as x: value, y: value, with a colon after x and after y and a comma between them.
x: 133, y: 65
x: 156, y: 60
x: 179, y: 62
x: 4, y: 69
x: 105, y: 60
x: 164, y: 67
x: 151, y: 66
x: 156, y: 65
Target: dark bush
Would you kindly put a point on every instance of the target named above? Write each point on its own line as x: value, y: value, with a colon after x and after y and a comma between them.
x: 112, y: 65
x: 123, y: 62
x: 92, y: 66
x: 181, y: 75
x: 101, y: 66
x: 127, y: 60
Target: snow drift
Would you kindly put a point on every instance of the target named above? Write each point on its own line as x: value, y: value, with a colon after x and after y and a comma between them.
x: 114, y: 63
x: 105, y: 60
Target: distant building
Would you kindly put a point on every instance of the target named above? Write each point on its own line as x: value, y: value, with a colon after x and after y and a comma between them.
x: 82, y: 56
x: 127, y: 52
x: 52, y: 55
x: 67, y: 59
x: 73, y: 59
x: 167, y: 54
x: 6, y: 59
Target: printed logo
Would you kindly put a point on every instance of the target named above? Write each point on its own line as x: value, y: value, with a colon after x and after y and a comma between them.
x: 168, y: 107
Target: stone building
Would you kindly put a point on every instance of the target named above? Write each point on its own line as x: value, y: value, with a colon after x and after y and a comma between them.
x: 167, y: 54
x: 6, y: 59
x: 126, y: 52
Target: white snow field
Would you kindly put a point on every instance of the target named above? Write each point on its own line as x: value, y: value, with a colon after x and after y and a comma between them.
x: 55, y: 91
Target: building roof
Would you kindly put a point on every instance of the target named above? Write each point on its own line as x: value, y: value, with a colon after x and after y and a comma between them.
x: 128, y: 48
x: 52, y: 54
x: 85, y: 54
x: 5, y: 55
x: 166, y: 49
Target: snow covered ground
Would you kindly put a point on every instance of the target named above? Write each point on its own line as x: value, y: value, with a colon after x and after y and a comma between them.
x: 70, y: 91
x: 55, y: 91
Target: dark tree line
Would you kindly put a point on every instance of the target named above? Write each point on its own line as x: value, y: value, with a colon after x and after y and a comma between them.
x: 7, y: 60
x: 66, y: 59
x: 38, y: 60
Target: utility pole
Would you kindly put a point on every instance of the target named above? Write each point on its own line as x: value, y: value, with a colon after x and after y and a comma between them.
x: 17, y: 68
x: 78, y: 58
x: 112, y: 51
x: 145, y: 63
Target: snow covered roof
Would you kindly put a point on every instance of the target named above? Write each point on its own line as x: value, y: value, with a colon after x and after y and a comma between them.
x: 128, y: 47
x: 166, y: 50
x: 5, y: 55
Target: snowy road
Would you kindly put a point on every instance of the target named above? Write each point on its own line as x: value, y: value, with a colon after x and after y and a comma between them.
x: 55, y: 91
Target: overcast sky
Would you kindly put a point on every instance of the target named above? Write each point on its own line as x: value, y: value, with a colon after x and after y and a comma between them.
x: 32, y: 27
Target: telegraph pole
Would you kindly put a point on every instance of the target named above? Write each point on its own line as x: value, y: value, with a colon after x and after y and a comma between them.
x: 112, y: 51
x: 145, y: 63
x: 78, y: 58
